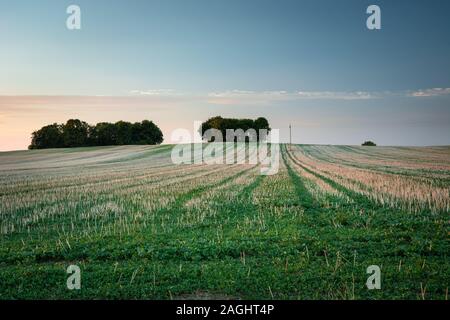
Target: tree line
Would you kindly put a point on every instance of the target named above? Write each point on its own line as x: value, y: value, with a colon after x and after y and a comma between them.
x: 369, y: 144
x: 77, y: 133
x: 222, y: 124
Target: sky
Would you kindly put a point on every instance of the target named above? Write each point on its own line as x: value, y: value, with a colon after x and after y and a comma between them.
x: 313, y: 64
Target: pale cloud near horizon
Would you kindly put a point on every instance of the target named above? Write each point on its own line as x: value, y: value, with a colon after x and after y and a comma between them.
x: 356, y: 95
x: 313, y: 113
x: 324, y: 95
x: 154, y: 92
x: 249, y: 97
x: 431, y: 92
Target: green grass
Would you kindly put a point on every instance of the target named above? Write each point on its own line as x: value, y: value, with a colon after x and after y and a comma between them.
x: 141, y: 228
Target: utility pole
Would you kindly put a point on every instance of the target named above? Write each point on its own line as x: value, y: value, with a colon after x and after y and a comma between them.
x: 290, y: 137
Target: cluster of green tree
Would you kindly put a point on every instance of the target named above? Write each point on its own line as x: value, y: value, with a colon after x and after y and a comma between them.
x: 369, y: 144
x: 222, y: 124
x: 77, y: 133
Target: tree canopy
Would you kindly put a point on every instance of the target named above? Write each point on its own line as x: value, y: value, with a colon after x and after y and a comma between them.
x: 222, y: 124
x: 77, y: 133
x: 369, y: 144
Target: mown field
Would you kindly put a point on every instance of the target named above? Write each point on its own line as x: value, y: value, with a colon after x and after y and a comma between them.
x: 140, y: 227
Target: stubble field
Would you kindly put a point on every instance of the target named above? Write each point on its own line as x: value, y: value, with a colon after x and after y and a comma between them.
x: 141, y: 227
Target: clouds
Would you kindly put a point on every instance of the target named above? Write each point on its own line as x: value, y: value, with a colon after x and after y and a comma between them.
x: 431, y: 92
x: 154, y: 92
x: 333, y: 95
x: 245, y: 97
x: 249, y: 97
x: 318, y: 116
x: 285, y: 95
x: 241, y: 93
x: 240, y: 97
x: 330, y: 95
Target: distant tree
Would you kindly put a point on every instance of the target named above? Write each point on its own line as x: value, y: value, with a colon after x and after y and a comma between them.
x: 369, y: 144
x: 136, y: 132
x: 212, y: 123
x: 222, y: 124
x: 261, y: 124
x: 104, y: 134
x: 124, y: 133
x: 150, y: 133
x: 77, y: 133
x: 50, y: 136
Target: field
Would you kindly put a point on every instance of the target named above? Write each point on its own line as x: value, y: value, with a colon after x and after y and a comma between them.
x: 141, y: 227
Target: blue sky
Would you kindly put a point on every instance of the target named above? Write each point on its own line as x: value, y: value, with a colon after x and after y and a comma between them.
x: 313, y: 63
